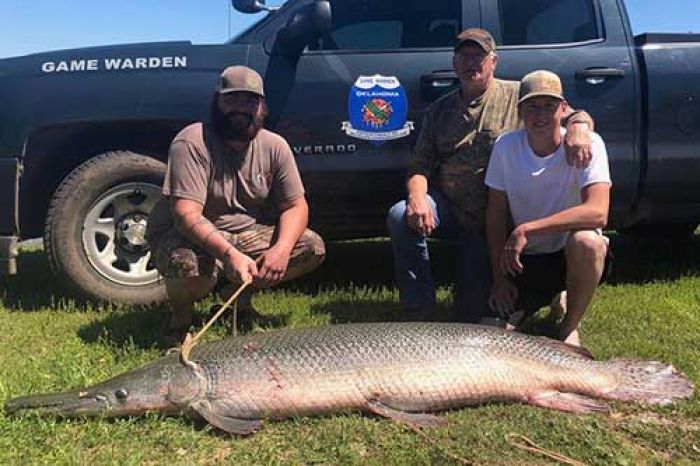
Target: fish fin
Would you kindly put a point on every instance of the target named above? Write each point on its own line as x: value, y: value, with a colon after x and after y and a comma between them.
x: 228, y: 424
x: 649, y: 382
x: 579, y: 350
x: 412, y: 419
x: 570, y: 402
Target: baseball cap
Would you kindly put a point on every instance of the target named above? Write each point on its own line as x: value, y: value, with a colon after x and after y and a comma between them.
x: 240, y: 79
x: 540, y: 83
x: 481, y: 37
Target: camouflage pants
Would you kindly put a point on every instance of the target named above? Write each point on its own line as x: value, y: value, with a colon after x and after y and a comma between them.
x: 176, y: 257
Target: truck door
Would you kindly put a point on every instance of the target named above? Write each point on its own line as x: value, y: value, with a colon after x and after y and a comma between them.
x: 585, y: 43
x: 353, y: 100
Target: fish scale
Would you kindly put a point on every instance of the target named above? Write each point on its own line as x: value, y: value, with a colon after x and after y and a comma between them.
x: 401, y: 371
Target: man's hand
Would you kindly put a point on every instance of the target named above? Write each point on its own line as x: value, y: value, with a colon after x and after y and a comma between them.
x: 239, y: 268
x: 419, y: 214
x: 577, y: 145
x: 272, y: 265
x: 510, y: 258
x: 503, y: 297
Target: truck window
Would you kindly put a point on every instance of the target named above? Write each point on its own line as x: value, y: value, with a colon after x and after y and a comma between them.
x: 537, y: 22
x: 387, y: 25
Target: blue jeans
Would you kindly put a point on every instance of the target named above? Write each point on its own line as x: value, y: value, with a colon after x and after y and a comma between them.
x: 412, y: 270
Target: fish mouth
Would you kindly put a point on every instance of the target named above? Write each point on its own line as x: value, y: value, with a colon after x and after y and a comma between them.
x: 67, y: 404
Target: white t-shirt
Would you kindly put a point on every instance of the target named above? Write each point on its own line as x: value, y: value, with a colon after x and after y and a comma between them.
x: 538, y: 187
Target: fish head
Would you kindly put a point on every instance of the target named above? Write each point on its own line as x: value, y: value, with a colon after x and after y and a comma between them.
x: 145, y: 389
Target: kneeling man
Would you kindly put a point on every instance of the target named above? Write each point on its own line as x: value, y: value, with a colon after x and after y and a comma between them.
x: 544, y: 217
x: 234, y: 205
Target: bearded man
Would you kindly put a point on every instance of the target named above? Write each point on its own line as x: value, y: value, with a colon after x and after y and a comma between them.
x: 234, y: 206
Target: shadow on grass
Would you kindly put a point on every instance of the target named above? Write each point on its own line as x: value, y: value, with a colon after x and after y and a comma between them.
x: 370, y: 263
x: 365, y: 263
x: 140, y: 325
x: 641, y: 261
x: 36, y: 287
x: 143, y: 326
x: 343, y: 311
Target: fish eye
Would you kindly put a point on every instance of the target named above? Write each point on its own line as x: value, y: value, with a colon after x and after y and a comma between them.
x: 121, y: 394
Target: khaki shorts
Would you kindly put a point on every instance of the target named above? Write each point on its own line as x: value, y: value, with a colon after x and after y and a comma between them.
x: 176, y: 257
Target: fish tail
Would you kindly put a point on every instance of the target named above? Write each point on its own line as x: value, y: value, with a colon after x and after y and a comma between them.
x: 649, y: 382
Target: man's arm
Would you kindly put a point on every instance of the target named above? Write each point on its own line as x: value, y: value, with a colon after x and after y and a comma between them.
x: 572, y: 116
x: 591, y: 214
x: 503, y: 292
x: 273, y: 263
x: 191, y: 223
x: 577, y: 143
x: 419, y: 214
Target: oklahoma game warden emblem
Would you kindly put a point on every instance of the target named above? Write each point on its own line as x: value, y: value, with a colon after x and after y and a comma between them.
x: 377, y: 109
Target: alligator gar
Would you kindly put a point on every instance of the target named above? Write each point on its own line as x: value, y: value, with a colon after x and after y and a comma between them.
x: 401, y: 371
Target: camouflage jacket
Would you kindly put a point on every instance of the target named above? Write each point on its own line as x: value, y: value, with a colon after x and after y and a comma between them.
x: 455, y: 143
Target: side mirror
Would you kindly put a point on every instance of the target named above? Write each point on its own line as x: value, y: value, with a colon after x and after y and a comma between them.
x: 251, y: 6
x: 308, y: 23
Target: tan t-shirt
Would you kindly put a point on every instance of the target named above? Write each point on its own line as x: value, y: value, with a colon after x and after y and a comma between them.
x: 236, y: 189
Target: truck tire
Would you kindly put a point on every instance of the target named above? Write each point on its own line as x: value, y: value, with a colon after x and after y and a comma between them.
x: 95, y: 227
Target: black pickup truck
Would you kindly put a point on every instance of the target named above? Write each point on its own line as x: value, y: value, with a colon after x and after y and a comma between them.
x: 84, y: 133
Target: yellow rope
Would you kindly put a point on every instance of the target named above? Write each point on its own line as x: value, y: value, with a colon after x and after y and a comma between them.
x: 191, y: 341
x: 527, y: 444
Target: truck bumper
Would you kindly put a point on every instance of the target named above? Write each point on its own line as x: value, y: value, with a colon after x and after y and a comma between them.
x: 10, y: 170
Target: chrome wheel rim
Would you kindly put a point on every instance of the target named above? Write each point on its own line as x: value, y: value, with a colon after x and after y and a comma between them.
x: 114, y: 234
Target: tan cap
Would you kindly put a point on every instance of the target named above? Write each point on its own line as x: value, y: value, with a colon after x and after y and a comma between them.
x: 540, y: 83
x: 481, y: 37
x: 240, y: 79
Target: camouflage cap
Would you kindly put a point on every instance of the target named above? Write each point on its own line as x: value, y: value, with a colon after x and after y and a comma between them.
x: 540, y: 83
x: 480, y: 37
x: 240, y: 79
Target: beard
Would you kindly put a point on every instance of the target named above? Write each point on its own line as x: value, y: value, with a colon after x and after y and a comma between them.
x: 236, y: 126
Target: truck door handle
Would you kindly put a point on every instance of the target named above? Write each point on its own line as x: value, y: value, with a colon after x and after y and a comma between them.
x: 599, y: 75
x: 438, y: 80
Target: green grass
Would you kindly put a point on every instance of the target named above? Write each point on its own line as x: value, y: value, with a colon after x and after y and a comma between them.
x: 49, y: 342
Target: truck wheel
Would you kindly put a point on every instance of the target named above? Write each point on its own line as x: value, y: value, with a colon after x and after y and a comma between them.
x: 96, y: 224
